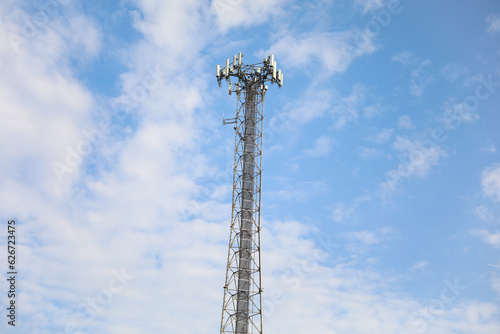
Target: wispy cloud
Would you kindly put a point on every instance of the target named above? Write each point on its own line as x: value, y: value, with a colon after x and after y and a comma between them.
x: 301, y: 191
x: 453, y: 72
x: 369, y: 237
x: 343, y: 211
x: 312, y: 105
x: 318, y: 103
x: 367, y: 153
x: 420, y: 77
x: 421, y: 158
x: 491, y: 148
x: 416, y: 159
x: 48, y: 109
x: 493, y: 24
x: 404, y: 122
x: 490, y: 182
x: 344, y: 291
x: 348, y: 108
x: 373, y: 110
x: 483, y: 212
x: 232, y: 14
x: 457, y: 111
x: 39, y: 92
x: 369, y: 5
x: 490, y: 238
x: 382, y: 137
x: 419, y: 266
x: 420, y: 80
x: 405, y: 58
x: 334, y: 51
x: 495, y: 283
x: 322, y: 147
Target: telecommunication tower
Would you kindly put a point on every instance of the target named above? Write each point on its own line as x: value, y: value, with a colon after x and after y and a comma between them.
x: 242, y: 305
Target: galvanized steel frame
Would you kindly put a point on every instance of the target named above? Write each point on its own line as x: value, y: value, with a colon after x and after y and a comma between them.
x: 242, y: 305
x: 242, y: 311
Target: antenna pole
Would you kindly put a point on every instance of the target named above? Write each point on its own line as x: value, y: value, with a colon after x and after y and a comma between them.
x: 242, y: 305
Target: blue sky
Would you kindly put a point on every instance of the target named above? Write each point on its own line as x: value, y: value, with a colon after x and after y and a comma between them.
x: 381, y: 185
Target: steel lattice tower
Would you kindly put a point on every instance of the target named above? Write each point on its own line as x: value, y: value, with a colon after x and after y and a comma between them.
x: 242, y: 305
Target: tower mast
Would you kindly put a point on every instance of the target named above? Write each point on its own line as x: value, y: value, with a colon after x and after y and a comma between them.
x: 242, y: 305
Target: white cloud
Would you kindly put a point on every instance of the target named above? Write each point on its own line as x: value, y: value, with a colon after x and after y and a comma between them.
x: 455, y: 114
x: 45, y: 109
x: 490, y: 181
x: 490, y: 149
x: 369, y: 237
x: 231, y: 14
x: 405, y: 58
x: 369, y: 5
x: 495, y: 283
x: 453, y: 72
x: 404, y: 122
x: 420, y: 78
x: 61, y: 34
x: 335, y: 51
x: 83, y: 34
x: 322, y: 147
x: 493, y: 22
x: 483, y: 212
x: 343, y: 211
x: 312, y: 105
x: 382, y: 137
x: 182, y: 28
x: 418, y: 266
x: 127, y: 215
x: 301, y: 191
x: 416, y: 159
x: 309, y: 293
x: 420, y: 158
x: 347, y: 109
x: 492, y: 239
x: 368, y: 153
x: 420, y: 81
x: 373, y: 110
x: 364, y: 237
x: 317, y: 103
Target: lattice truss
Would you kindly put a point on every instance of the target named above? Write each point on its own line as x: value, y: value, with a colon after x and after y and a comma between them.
x: 242, y: 305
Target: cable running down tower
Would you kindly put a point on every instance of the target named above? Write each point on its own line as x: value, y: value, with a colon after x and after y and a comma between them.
x: 242, y: 305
